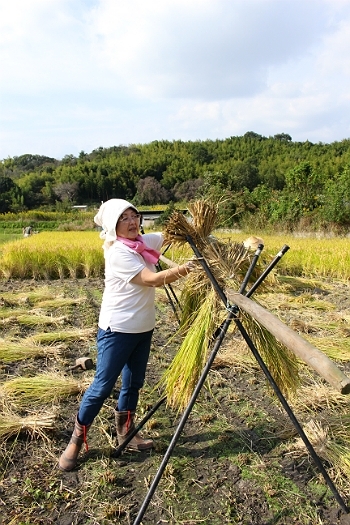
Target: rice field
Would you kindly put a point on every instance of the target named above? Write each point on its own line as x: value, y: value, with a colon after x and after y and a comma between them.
x: 59, y: 255
x: 53, y: 255
x: 307, y: 256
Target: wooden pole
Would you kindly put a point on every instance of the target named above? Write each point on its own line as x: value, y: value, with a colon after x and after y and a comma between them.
x: 294, y: 342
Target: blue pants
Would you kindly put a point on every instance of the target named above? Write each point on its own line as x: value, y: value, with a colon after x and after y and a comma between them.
x: 117, y: 353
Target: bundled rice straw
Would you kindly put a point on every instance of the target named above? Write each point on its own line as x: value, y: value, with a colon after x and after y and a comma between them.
x: 329, y: 435
x: 11, y: 351
x: 282, y: 364
x: 203, y: 220
x: 63, y: 336
x: 182, y: 375
x: 43, y: 388
x: 315, y: 396
x: 203, y: 311
x: 12, y: 424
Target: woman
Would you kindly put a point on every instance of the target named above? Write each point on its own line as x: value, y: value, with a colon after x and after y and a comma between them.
x: 126, y: 323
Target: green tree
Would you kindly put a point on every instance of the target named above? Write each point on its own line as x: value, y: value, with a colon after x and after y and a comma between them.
x: 305, y: 186
x: 336, y: 203
x: 10, y: 195
x: 244, y: 174
x: 283, y: 137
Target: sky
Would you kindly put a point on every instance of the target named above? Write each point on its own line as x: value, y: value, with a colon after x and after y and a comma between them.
x: 76, y: 75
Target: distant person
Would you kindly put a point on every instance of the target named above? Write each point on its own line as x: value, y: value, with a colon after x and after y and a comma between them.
x: 126, y: 323
x: 27, y: 231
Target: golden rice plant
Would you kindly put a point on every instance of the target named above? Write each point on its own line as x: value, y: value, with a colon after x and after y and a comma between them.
x: 11, y: 351
x: 203, y: 311
x: 61, y: 254
x: 92, y: 262
x: 46, y: 388
x: 53, y: 255
x: 323, y: 257
x: 309, y: 257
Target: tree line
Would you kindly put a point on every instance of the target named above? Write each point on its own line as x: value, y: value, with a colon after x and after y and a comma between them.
x: 257, y: 180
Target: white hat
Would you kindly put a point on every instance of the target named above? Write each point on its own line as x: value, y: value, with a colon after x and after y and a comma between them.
x: 253, y: 242
x: 108, y: 215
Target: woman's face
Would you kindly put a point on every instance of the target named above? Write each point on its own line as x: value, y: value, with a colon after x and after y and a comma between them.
x: 128, y: 224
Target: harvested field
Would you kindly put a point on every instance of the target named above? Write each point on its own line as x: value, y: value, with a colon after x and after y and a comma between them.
x: 238, y: 460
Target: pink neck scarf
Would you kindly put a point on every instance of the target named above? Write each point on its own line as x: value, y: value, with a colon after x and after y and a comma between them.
x: 138, y: 245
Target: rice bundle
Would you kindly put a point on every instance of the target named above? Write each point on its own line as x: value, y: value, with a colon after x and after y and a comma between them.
x: 329, y: 435
x: 40, y: 389
x: 203, y: 311
x: 12, y: 424
x: 203, y: 221
x: 315, y: 396
x: 281, y: 363
x: 30, y: 319
x: 11, y: 351
x: 182, y: 375
x: 63, y: 336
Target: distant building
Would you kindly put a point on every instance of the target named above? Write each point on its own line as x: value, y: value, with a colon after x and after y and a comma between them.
x: 82, y: 207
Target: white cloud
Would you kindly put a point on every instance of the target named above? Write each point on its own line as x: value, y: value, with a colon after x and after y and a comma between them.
x: 212, y: 49
x: 77, y: 74
x: 43, y: 45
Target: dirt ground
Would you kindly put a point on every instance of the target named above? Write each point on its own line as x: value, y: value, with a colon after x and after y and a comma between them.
x: 229, y: 464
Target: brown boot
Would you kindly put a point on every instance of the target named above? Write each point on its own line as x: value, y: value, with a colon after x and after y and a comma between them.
x: 125, y: 425
x: 69, y: 457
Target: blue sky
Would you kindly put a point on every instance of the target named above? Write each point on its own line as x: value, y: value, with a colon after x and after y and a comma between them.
x: 79, y: 74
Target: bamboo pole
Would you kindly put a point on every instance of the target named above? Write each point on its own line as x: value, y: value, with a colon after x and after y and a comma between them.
x: 294, y: 342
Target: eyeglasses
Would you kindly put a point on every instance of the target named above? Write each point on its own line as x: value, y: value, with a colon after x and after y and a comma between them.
x: 135, y: 217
